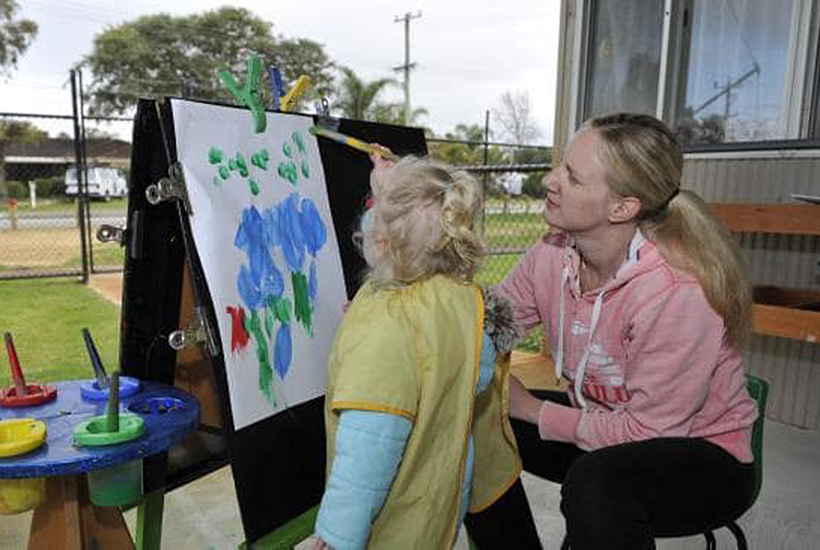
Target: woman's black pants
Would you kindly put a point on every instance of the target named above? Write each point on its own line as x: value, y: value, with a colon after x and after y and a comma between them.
x: 619, y: 497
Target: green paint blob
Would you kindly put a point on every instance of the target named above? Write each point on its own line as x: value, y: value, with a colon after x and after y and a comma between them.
x: 300, y: 143
x: 270, y: 321
x: 215, y: 156
x: 224, y: 173
x: 287, y: 170
x: 254, y: 186
x: 253, y: 326
x: 241, y: 165
x: 305, y: 169
x: 282, y: 310
x: 301, y: 302
x: 286, y: 150
x: 260, y: 159
x: 217, y: 181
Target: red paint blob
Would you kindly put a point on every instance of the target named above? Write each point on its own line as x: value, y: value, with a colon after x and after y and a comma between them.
x: 239, y: 336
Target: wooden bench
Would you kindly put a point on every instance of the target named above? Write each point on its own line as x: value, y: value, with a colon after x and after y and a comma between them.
x: 779, y: 311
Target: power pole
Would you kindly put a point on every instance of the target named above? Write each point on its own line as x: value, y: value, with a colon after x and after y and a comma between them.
x: 407, y: 65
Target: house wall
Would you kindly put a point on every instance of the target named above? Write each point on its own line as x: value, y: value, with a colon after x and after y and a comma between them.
x: 792, y: 367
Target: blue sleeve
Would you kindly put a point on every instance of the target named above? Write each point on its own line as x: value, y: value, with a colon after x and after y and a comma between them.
x: 369, y: 448
x: 486, y: 366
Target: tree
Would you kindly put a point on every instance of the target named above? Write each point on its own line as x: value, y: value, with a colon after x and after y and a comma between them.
x: 515, y: 116
x: 15, y: 132
x: 15, y: 36
x: 393, y: 113
x: 298, y: 56
x: 357, y: 98
x: 161, y: 54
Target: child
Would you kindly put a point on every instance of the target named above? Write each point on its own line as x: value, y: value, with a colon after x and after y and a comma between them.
x: 410, y: 444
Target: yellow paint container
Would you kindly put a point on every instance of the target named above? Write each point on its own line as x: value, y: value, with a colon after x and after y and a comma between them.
x: 19, y: 436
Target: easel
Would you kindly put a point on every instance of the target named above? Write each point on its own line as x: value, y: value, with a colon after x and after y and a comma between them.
x: 163, y: 292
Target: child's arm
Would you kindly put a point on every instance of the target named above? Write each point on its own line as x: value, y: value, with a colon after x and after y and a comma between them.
x: 369, y: 448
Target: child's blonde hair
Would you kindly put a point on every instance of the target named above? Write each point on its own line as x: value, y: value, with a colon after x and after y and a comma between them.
x: 644, y: 160
x: 423, y: 224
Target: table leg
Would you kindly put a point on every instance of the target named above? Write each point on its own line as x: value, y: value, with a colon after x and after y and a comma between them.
x: 67, y: 519
x: 149, y: 521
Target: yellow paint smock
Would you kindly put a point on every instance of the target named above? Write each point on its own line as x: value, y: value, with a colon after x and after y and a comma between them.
x: 414, y: 352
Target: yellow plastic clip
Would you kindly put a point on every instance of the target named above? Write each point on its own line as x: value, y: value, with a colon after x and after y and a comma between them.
x: 293, y: 95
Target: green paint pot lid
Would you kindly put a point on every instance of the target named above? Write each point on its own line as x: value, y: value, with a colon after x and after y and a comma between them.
x: 92, y: 433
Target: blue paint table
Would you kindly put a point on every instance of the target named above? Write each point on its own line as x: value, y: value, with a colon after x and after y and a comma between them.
x: 67, y: 518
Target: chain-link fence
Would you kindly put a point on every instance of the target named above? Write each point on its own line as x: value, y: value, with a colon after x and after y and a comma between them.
x: 46, y: 218
x: 514, y: 200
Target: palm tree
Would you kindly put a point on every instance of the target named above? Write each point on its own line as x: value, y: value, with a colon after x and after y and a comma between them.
x: 357, y: 97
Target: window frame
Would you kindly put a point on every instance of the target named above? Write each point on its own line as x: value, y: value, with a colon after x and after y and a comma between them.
x: 800, y: 115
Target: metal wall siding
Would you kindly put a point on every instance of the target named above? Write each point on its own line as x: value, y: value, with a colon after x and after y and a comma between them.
x: 792, y: 367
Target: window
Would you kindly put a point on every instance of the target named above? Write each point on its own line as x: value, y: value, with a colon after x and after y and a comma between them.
x: 736, y: 78
x: 719, y: 71
x: 625, y: 52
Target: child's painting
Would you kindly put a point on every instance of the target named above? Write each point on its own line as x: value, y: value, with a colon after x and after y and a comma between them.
x: 261, y: 224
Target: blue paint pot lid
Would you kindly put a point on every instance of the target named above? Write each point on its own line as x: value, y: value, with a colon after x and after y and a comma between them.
x: 90, y: 389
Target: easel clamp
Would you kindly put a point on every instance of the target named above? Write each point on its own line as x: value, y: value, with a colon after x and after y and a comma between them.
x: 170, y: 187
x: 197, y: 332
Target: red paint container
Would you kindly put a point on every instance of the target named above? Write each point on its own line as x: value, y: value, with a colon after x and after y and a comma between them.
x: 22, y: 394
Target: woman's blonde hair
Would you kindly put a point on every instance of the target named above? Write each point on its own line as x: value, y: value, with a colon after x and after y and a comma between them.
x: 423, y: 224
x: 644, y: 160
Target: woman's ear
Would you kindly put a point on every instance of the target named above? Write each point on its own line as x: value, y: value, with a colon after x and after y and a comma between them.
x: 624, y: 209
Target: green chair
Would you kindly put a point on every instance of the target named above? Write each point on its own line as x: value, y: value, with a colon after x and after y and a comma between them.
x: 759, y: 390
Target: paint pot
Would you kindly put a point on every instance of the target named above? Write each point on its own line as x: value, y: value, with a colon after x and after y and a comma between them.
x: 119, y: 485
x: 157, y: 405
x: 91, y: 390
x: 36, y: 394
x: 19, y: 436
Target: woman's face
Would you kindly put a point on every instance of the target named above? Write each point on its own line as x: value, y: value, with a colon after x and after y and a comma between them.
x: 578, y: 197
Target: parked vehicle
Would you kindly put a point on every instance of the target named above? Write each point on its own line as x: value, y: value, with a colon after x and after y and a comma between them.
x: 104, y: 182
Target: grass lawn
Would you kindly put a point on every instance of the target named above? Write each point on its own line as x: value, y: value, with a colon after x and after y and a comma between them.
x: 65, y: 204
x: 45, y: 317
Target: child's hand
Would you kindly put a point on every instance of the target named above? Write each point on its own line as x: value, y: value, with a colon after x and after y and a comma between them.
x: 319, y: 544
x: 380, y: 165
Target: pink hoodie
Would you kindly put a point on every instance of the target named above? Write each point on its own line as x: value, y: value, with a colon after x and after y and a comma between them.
x: 644, y: 354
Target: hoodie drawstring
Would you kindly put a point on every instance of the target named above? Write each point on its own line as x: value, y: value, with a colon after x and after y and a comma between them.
x: 559, y: 352
x: 582, y: 364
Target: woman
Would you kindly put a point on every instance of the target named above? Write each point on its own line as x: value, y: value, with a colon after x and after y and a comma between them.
x: 642, y: 296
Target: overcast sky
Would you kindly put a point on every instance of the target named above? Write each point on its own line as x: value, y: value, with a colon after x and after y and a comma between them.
x: 467, y: 52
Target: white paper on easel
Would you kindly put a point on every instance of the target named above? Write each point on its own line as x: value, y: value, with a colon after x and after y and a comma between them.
x: 262, y: 227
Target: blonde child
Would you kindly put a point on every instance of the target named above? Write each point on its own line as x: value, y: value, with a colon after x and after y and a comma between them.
x: 415, y: 426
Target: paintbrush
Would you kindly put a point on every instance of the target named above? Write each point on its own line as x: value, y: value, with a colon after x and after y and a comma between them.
x: 96, y: 362
x: 16, y: 371
x: 112, y: 423
x: 353, y: 142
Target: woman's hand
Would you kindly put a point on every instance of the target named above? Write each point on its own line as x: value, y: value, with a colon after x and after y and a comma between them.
x: 523, y: 405
x: 319, y: 544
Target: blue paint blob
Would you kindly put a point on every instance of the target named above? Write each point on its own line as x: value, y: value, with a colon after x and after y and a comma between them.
x: 282, y: 351
x: 248, y: 291
x: 313, y: 284
x: 290, y: 232
x: 260, y: 277
x: 313, y: 228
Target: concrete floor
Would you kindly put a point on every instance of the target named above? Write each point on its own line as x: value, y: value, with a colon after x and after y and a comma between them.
x: 204, y: 514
